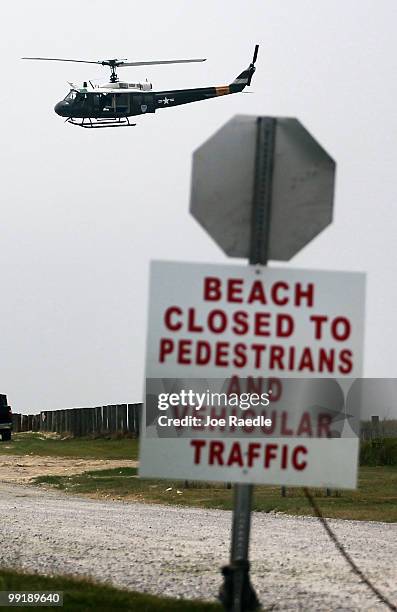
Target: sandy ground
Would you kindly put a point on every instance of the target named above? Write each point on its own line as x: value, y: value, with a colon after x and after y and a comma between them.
x: 21, y: 469
x: 177, y: 551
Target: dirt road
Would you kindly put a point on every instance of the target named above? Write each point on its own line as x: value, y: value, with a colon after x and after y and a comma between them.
x: 21, y: 469
x: 178, y: 551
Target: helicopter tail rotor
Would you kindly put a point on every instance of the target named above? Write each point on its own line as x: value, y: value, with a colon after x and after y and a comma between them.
x: 251, y: 67
x: 255, y: 54
x: 245, y: 77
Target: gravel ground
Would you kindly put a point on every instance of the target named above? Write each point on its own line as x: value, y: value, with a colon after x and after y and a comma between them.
x: 178, y: 551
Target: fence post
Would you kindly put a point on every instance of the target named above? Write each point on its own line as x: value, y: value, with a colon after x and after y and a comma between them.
x: 98, y: 420
x: 130, y: 414
x: 15, y: 422
x: 91, y: 421
x: 121, y: 418
x: 66, y: 421
x: 113, y: 419
x: 61, y: 423
x: 55, y: 415
x: 75, y: 422
x: 124, y: 425
x: 138, y: 414
x: 105, y: 419
x: 83, y: 421
x: 375, y: 430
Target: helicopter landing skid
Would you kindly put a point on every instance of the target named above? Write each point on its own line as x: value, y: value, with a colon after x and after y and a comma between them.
x: 89, y: 122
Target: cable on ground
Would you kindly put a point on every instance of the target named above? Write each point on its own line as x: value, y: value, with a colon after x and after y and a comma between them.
x: 344, y: 553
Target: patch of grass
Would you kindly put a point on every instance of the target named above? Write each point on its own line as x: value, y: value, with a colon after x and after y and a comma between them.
x: 84, y: 448
x: 374, y: 500
x: 81, y: 594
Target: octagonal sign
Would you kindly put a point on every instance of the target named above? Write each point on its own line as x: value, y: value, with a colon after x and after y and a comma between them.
x: 223, y: 185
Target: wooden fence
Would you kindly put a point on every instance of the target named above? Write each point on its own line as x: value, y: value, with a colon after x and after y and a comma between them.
x: 102, y: 420
x: 125, y: 418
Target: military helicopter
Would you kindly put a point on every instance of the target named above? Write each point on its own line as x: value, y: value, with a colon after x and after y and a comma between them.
x: 112, y: 104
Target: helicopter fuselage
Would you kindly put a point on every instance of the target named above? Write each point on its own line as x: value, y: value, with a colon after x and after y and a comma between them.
x: 115, y: 103
x: 118, y: 101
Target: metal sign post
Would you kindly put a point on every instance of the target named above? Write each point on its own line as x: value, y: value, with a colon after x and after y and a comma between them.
x: 238, y: 593
x: 241, y: 594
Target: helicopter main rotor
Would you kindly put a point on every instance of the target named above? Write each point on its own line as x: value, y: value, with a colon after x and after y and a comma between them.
x: 117, y: 63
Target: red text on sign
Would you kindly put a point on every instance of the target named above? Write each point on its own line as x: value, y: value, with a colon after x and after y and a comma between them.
x: 251, y: 454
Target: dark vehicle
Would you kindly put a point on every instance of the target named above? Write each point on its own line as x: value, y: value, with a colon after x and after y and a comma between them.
x: 5, y: 419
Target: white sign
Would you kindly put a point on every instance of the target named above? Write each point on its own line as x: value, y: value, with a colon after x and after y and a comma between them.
x: 232, y: 322
x: 310, y: 462
x: 219, y: 320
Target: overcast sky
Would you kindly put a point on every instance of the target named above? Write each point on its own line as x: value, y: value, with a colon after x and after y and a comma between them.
x: 83, y: 212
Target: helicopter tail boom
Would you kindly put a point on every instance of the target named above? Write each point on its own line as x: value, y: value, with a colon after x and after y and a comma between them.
x: 242, y: 80
x: 168, y: 99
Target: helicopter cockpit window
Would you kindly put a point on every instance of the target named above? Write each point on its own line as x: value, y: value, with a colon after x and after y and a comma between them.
x: 71, y: 95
